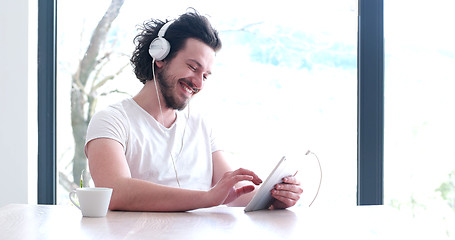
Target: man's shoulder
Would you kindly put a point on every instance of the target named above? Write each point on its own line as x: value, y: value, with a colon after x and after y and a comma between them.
x: 118, y: 109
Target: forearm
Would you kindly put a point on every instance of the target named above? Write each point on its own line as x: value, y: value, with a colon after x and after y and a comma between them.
x: 136, y: 195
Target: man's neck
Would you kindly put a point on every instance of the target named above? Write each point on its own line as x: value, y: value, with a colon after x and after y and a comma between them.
x: 147, y: 99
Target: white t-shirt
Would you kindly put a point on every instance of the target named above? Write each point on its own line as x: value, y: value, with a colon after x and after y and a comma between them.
x: 147, y: 144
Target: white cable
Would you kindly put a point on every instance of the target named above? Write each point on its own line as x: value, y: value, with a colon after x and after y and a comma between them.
x: 162, y: 118
x: 156, y: 88
x: 320, y: 179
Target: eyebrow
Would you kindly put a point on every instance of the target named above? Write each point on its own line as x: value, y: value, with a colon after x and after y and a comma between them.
x: 199, y: 65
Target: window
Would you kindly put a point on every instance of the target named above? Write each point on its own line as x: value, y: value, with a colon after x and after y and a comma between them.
x: 285, y: 81
x: 419, y: 116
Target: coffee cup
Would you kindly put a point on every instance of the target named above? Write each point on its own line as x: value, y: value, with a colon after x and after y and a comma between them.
x: 92, y: 201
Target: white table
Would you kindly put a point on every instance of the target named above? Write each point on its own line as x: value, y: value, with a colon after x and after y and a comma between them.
x: 21, y: 221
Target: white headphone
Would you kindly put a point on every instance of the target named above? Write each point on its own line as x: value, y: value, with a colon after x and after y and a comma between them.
x: 160, y: 47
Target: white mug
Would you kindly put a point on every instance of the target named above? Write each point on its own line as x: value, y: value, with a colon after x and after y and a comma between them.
x: 93, y: 201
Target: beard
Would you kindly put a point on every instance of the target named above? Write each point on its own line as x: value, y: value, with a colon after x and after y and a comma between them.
x: 165, y: 82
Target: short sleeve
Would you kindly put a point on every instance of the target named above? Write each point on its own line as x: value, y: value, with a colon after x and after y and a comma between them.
x: 108, y: 123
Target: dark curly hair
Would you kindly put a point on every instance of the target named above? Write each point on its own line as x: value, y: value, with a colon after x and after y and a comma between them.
x: 188, y: 25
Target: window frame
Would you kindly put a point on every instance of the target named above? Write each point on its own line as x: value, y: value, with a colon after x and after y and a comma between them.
x: 370, y: 103
x: 370, y: 98
x: 47, y: 54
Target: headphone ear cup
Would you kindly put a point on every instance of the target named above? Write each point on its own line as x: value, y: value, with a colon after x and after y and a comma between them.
x: 159, y: 48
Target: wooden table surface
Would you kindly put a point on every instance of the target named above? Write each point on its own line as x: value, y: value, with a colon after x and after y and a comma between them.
x: 21, y: 221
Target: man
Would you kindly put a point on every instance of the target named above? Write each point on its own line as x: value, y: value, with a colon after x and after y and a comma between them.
x: 156, y: 157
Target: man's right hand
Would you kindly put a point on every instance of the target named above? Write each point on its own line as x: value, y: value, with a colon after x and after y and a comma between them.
x: 225, y: 191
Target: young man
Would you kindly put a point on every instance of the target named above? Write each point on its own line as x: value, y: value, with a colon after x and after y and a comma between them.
x: 156, y: 157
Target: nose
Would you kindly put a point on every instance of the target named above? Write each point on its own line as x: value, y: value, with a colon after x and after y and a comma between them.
x: 198, y: 82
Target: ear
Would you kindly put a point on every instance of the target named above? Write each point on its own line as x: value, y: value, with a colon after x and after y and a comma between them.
x: 160, y: 64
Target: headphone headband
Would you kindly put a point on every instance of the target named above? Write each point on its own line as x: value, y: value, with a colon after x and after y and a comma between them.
x: 164, y: 28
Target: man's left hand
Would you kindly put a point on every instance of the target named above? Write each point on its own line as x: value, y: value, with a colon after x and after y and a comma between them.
x: 287, y: 193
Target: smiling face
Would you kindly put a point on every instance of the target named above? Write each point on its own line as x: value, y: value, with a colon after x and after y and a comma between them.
x: 185, y: 74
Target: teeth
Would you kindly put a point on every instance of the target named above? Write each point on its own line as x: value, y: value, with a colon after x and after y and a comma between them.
x: 187, y: 89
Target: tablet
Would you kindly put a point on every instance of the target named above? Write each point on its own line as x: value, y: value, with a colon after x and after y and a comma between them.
x: 263, y: 197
